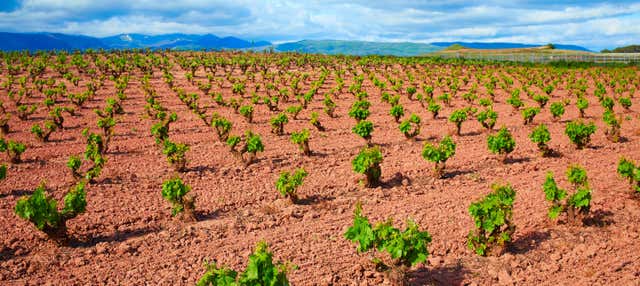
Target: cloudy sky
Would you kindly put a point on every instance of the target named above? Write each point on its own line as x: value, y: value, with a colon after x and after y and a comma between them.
x: 593, y: 24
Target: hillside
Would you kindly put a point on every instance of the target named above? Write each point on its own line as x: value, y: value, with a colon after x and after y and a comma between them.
x: 333, y: 47
x: 460, y: 49
x: 625, y: 49
x: 494, y: 46
x: 53, y: 41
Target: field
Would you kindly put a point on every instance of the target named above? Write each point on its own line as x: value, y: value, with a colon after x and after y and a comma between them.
x: 128, y: 236
x: 542, y: 54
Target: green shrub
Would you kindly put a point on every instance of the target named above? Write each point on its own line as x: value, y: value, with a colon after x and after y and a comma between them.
x: 406, y: 248
x: 445, y: 98
x: 302, y: 140
x: 410, y: 127
x: 630, y: 171
x: 160, y: 130
x: 502, y: 143
x: 580, y: 133
x: 42, y: 211
x: 74, y: 164
x: 439, y: 154
x: 487, y: 118
x: 223, y: 127
x: 486, y: 102
x: 541, y: 136
x: 529, y: 113
x: 3, y: 172
x: 176, y: 192
x: 411, y: 90
x: 315, y: 121
x: 294, y: 110
x: 470, y: 97
x: 287, y: 183
x: 14, y: 149
x: 578, y: 204
x: 577, y: 176
x: 94, y: 153
x: 252, y: 147
x: 557, y: 110
x: 367, y: 162
x: 458, y: 117
x: 607, y: 103
x: 554, y: 195
x: 492, y: 217
x: 260, y: 271
x: 360, y: 110
x: 541, y: 100
x: 515, y: 100
x: 364, y: 129
x: 176, y: 154
x: 434, y: 108
x: 613, y: 133
x: 247, y: 112
x: 582, y: 104
x: 278, y: 122
x: 43, y: 133
x: 329, y: 105
x: 397, y: 111
x: 625, y: 102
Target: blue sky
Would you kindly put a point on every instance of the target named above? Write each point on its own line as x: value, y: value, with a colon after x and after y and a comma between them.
x: 593, y: 24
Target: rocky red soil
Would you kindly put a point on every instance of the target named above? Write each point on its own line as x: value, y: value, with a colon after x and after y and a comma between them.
x: 128, y: 237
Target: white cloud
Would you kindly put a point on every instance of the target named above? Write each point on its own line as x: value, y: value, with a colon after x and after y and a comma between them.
x: 592, y: 24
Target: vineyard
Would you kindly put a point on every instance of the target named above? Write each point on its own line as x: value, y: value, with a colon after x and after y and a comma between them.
x: 246, y: 168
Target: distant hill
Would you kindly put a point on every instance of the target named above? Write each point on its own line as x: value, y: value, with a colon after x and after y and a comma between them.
x: 47, y: 41
x: 360, y: 48
x: 625, y: 49
x: 179, y: 41
x: 496, y: 46
x: 53, y: 41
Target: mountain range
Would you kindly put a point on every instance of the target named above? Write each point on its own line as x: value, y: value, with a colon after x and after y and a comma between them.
x: 56, y: 41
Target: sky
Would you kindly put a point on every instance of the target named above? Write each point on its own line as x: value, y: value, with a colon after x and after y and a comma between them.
x: 592, y: 24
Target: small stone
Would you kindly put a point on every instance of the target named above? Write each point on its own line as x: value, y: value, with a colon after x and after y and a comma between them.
x: 592, y: 251
x: 124, y: 248
x: 504, y: 277
x: 79, y: 262
x: 101, y: 248
x: 435, y: 261
x: 555, y: 256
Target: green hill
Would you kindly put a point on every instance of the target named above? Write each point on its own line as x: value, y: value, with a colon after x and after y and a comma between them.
x: 357, y: 48
x: 625, y: 49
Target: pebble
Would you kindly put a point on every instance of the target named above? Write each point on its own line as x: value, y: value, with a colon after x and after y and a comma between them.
x: 504, y: 277
x: 101, y: 248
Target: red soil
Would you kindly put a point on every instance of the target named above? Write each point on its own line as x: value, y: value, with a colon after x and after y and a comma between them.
x: 127, y: 236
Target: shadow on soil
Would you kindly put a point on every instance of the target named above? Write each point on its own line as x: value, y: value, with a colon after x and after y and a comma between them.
x: 396, y: 181
x: 599, y: 218
x: 17, y: 193
x: 441, y: 275
x: 453, y: 174
x: 472, y: 133
x: 529, y: 241
x: 517, y: 160
x: 200, y: 169
x: 118, y: 236
x: 7, y: 253
x: 314, y: 199
x: 61, y: 140
x: 207, y: 215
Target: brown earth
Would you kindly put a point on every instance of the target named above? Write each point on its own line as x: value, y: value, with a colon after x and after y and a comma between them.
x: 128, y: 237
